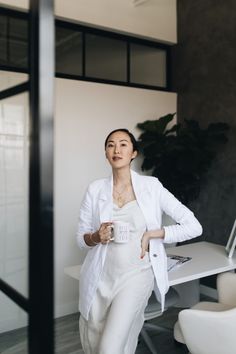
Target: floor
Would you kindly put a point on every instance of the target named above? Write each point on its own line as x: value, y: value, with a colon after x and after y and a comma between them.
x: 67, y: 337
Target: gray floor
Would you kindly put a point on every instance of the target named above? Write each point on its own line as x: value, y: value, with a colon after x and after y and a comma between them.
x: 67, y: 337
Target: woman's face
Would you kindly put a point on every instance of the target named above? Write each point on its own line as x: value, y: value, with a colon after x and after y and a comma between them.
x: 119, y: 150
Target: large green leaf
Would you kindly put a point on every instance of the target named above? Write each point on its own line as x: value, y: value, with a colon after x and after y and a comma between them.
x: 156, y: 126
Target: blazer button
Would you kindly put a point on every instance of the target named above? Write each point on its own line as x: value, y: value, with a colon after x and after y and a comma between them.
x: 154, y: 255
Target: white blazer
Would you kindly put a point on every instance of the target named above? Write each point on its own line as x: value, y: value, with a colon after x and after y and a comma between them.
x: 153, y: 199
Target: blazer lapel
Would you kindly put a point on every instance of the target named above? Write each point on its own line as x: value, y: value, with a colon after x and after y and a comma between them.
x: 142, y: 195
x: 105, y: 200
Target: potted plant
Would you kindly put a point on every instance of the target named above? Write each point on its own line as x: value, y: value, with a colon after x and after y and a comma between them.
x: 180, y: 156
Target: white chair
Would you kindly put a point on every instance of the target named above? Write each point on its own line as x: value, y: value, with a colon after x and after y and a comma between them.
x: 152, y: 311
x: 210, y: 327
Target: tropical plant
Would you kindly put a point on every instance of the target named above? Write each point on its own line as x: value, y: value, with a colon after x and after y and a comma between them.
x: 180, y: 156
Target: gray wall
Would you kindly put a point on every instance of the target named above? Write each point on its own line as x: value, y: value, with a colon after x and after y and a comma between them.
x: 204, y: 75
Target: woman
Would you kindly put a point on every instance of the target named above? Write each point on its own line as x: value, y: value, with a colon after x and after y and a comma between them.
x: 118, y: 278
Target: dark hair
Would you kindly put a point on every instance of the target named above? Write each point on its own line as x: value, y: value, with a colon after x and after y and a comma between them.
x: 132, y: 138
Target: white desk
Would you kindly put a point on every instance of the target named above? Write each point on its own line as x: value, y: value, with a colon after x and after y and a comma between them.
x: 207, y: 259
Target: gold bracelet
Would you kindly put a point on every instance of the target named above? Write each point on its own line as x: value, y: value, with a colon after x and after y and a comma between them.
x: 91, y: 239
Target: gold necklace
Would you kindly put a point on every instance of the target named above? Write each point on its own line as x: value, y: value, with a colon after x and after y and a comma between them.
x: 120, y: 200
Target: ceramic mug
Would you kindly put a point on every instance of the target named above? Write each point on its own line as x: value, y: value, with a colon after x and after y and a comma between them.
x: 120, y: 232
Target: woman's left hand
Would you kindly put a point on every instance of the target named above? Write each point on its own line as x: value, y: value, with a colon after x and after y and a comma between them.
x: 146, y: 237
x: 145, y: 243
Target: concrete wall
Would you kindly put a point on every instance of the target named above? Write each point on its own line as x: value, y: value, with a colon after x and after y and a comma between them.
x: 205, y: 79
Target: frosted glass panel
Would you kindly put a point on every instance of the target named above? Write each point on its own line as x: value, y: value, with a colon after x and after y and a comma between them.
x: 147, y: 65
x: 12, y: 318
x: 14, y: 170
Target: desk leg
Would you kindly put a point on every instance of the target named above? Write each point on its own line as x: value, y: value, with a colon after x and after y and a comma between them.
x: 189, y: 293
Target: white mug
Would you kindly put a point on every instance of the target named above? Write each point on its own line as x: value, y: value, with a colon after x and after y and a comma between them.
x: 120, y: 232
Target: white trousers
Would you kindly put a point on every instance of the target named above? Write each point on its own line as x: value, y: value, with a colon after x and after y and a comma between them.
x: 115, y: 320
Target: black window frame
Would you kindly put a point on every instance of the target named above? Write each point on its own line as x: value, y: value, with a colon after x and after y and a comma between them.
x: 84, y: 29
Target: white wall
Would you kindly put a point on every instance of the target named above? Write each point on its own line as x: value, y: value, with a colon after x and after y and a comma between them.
x: 154, y: 19
x: 24, y: 4
x: 85, y: 114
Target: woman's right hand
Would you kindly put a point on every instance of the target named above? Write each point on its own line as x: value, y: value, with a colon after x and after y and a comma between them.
x: 104, y: 232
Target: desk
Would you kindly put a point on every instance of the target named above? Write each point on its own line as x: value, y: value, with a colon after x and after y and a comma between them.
x: 207, y: 259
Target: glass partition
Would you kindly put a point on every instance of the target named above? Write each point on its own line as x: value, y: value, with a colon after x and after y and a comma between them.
x: 14, y: 182
x: 13, y: 327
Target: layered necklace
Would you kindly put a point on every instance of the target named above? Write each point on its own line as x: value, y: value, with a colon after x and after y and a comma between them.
x: 123, y: 195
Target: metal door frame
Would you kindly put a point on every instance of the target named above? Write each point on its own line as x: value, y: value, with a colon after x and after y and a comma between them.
x: 39, y: 305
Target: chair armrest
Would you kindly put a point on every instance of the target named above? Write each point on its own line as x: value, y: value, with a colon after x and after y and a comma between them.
x: 209, y: 332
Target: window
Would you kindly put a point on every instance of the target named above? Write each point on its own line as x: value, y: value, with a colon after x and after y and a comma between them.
x: 68, y: 51
x: 3, y: 39
x: 91, y: 54
x: 13, y: 42
x: 18, y: 43
x: 105, y: 58
x: 147, y: 65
